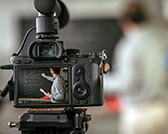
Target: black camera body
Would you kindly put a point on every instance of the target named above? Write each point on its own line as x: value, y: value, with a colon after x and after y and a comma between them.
x: 50, y: 76
x: 82, y: 73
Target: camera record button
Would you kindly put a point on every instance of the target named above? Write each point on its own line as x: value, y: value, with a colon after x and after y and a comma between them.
x: 66, y: 59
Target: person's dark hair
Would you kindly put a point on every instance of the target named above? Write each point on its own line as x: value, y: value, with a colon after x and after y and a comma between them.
x: 135, y: 13
x: 56, y: 70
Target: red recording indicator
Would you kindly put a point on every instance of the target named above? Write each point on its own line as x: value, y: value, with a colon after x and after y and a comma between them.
x: 46, y: 98
x: 106, y: 68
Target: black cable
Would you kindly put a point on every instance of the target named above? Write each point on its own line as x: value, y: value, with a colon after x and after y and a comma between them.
x: 6, y: 67
x: 7, y: 88
x: 24, y: 39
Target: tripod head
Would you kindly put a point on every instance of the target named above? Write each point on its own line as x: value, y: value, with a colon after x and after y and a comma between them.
x: 53, y: 15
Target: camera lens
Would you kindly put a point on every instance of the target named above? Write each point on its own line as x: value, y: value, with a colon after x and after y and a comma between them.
x: 81, y: 91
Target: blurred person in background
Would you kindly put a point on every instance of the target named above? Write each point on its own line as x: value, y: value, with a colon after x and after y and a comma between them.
x: 140, y: 71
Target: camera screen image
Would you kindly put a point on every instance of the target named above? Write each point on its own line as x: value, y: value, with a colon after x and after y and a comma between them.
x: 42, y: 85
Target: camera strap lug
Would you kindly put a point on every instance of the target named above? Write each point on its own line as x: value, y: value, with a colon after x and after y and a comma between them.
x: 106, y: 66
x: 104, y: 55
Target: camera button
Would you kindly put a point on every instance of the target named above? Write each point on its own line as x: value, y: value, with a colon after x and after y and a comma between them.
x: 75, y: 61
x: 85, y: 101
x: 27, y: 62
x: 77, y: 78
x: 79, y: 70
x: 76, y: 101
x: 81, y: 91
x: 17, y: 61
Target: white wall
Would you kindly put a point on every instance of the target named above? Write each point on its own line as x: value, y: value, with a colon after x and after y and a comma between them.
x: 94, y: 8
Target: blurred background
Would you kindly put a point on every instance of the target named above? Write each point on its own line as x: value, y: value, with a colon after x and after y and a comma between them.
x: 93, y: 26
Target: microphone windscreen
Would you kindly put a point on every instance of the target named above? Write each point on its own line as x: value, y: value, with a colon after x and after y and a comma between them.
x: 64, y: 16
x: 47, y: 6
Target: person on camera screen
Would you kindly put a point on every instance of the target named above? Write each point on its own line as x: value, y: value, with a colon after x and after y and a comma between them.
x: 58, y: 86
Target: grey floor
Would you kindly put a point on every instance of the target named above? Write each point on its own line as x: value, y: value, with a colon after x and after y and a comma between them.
x: 101, y: 123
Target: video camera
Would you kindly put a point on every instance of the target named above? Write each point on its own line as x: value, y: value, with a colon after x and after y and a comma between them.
x: 36, y: 84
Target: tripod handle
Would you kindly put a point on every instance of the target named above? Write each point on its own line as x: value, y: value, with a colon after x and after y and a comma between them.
x: 6, y: 67
x: 8, y: 88
x: 4, y: 92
